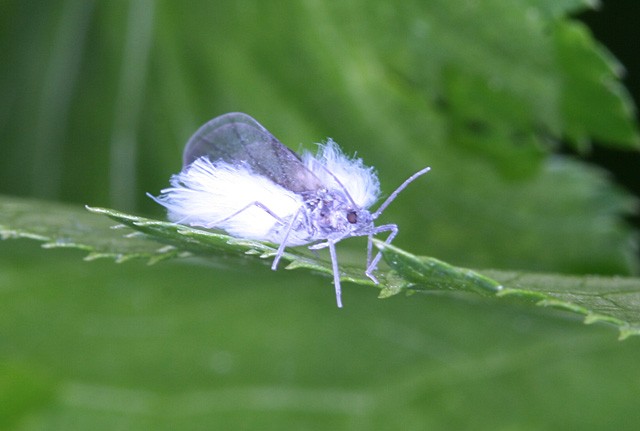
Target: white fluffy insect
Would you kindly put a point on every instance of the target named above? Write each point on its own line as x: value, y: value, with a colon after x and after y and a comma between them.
x: 238, y: 177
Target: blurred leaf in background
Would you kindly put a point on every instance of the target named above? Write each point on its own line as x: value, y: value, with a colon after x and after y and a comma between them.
x: 101, y: 97
x: 98, y: 99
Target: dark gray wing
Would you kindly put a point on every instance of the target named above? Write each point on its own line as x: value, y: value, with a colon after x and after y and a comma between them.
x: 236, y: 138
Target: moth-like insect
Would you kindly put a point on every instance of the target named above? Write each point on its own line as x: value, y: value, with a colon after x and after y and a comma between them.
x: 238, y: 177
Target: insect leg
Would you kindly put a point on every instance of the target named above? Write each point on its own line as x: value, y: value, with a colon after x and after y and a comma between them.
x: 283, y: 243
x: 336, y: 272
x: 393, y: 229
x: 254, y: 203
x: 260, y: 205
x: 334, y: 266
x: 369, y: 249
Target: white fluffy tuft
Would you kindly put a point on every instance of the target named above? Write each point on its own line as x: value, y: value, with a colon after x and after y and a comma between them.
x: 211, y: 194
x: 360, y: 181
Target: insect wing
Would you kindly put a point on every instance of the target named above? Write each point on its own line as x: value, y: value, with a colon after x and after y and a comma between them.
x: 238, y: 138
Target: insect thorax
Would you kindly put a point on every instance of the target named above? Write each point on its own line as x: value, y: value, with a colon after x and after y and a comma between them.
x: 330, y: 214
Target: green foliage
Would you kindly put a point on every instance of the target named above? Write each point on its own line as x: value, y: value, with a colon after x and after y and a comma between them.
x: 611, y: 300
x: 182, y: 345
x: 422, y: 83
x: 97, y: 101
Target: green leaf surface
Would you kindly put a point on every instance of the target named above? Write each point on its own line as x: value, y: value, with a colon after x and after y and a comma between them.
x: 133, y: 237
x: 611, y: 300
x: 179, y: 345
x: 65, y: 226
x: 614, y: 300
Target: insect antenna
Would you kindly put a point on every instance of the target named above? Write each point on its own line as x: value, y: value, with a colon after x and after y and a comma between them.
x: 393, y: 195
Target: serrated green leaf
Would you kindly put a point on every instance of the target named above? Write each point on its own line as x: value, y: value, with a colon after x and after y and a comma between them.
x: 204, y: 242
x: 611, y: 300
x: 64, y: 226
x: 594, y: 104
x: 599, y: 299
x: 427, y: 273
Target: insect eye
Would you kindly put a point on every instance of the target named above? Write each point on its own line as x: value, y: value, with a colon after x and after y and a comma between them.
x: 352, y: 217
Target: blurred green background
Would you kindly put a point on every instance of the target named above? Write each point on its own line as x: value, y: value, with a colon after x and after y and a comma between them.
x: 502, y: 99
